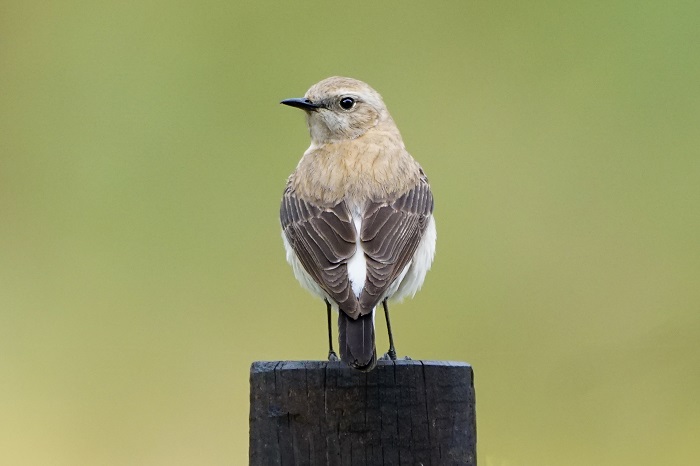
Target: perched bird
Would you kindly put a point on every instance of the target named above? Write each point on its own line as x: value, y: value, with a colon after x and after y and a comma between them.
x: 357, y: 214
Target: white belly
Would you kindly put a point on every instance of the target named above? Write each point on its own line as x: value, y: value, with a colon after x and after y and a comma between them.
x: 413, y: 275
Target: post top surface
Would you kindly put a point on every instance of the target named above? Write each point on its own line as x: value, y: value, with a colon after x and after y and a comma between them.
x: 270, y: 366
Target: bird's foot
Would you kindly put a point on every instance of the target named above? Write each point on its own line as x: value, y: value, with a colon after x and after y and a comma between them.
x: 387, y: 357
x: 333, y: 357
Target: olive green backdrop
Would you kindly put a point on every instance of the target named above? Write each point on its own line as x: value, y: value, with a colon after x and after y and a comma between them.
x: 143, y: 154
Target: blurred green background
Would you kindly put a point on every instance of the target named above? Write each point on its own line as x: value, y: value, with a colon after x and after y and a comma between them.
x: 143, y: 154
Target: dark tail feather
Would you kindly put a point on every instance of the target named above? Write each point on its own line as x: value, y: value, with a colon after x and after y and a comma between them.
x: 356, y: 338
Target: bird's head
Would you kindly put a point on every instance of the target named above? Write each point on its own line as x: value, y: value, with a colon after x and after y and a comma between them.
x: 340, y: 108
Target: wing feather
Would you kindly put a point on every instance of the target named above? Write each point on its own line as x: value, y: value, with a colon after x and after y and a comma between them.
x: 323, y: 239
x: 391, y: 232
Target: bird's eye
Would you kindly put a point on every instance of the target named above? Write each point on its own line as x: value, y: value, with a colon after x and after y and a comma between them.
x: 347, y: 103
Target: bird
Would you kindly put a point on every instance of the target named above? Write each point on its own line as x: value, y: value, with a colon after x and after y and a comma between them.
x: 356, y: 214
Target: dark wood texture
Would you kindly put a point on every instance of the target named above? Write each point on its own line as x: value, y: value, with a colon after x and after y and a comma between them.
x: 324, y: 413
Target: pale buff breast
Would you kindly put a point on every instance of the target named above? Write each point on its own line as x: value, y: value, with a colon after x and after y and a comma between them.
x: 375, y: 166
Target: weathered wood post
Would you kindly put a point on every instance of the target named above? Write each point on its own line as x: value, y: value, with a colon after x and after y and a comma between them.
x: 324, y: 413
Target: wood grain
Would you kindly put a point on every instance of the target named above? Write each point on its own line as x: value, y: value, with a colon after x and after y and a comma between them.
x: 324, y: 413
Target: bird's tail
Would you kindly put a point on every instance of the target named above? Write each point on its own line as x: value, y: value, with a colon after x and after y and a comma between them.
x: 356, y: 338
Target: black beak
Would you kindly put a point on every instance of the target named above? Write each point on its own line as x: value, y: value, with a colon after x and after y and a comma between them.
x: 302, y: 103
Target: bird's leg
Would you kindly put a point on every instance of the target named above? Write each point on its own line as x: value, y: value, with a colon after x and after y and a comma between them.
x: 392, y: 351
x: 331, y: 354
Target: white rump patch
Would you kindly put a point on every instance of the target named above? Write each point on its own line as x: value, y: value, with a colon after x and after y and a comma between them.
x: 357, y: 264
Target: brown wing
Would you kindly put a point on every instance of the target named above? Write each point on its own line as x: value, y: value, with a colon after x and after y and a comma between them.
x: 323, y: 240
x: 391, y: 231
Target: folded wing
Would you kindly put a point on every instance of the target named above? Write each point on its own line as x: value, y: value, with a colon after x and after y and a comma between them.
x: 323, y: 239
x: 391, y: 231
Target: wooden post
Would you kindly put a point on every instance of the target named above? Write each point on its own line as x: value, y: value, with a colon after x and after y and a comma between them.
x: 324, y: 413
